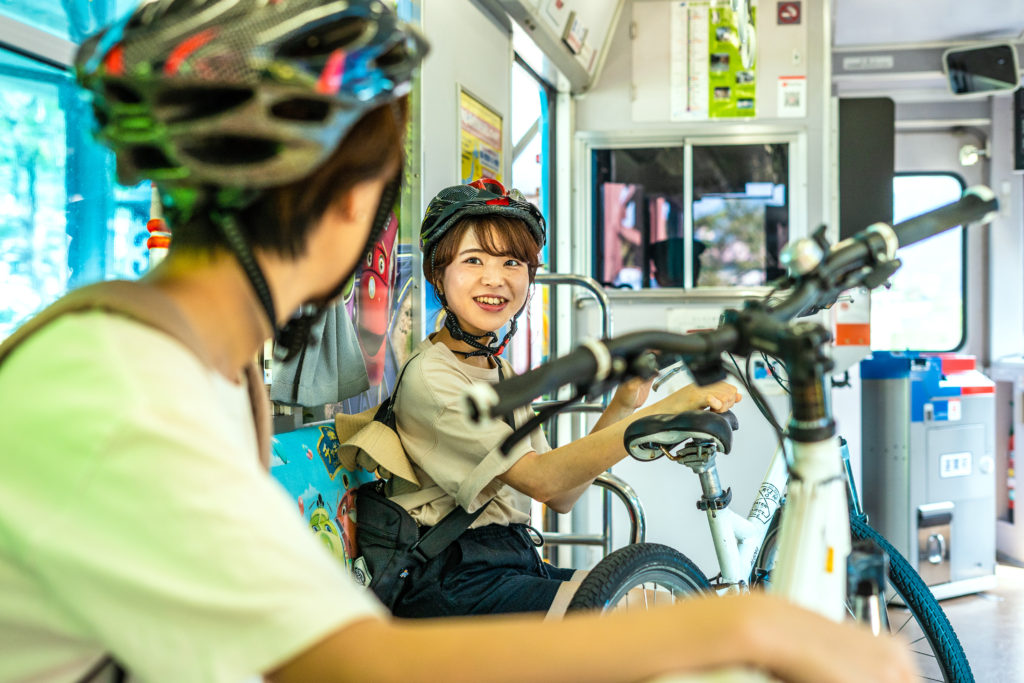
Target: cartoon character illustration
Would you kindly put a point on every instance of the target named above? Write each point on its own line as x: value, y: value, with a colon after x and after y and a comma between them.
x: 326, y: 530
x: 346, y: 522
x: 376, y: 284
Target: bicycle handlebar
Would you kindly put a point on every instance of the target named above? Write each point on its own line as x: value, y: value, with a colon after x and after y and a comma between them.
x: 817, y: 281
x: 978, y: 205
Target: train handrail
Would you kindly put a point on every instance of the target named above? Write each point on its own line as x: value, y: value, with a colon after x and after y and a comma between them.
x: 611, y: 483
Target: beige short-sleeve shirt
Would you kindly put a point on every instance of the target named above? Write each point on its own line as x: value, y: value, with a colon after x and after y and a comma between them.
x: 455, y: 460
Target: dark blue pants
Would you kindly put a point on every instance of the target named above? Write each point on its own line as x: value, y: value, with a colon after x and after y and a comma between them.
x: 491, y: 570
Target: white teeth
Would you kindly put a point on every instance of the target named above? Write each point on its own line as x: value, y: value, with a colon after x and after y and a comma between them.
x: 492, y: 300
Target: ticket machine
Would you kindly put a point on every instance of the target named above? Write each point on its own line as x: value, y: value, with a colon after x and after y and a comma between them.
x: 928, y: 444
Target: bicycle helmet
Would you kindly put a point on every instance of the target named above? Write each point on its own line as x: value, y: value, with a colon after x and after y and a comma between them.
x: 244, y: 94
x: 483, y: 197
x: 219, y: 99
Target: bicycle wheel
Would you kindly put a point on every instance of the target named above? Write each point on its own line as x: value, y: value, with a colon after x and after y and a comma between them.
x: 649, y: 566
x: 919, y: 619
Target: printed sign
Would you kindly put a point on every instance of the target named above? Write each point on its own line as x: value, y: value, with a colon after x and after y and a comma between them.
x: 480, y: 136
x: 954, y: 465
x: 788, y: 12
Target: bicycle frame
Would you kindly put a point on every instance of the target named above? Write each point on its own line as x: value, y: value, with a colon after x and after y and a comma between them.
x: 811, y: 572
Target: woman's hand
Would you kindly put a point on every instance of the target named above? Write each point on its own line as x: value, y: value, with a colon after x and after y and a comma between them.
x: 632, y: 394
x: 719, y: 397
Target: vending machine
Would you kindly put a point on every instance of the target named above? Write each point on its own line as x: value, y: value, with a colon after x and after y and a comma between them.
x: 928, y: 469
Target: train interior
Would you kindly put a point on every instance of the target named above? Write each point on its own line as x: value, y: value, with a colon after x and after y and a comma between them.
x: 675, y: 149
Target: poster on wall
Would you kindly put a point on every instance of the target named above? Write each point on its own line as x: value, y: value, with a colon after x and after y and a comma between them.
x: 706, y: 70
x: 731, y: 85
x: 480, y: 138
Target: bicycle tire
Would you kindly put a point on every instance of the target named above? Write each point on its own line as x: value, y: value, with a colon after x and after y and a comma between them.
x: 946, y: 656
x: 635, y: 566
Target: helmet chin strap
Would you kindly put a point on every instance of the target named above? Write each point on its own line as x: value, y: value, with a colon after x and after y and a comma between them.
x: 294, y: 336
x: 492, y: 349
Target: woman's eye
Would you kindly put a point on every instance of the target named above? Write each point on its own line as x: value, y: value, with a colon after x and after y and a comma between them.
x: 513, y: 263
x: 472, y: 259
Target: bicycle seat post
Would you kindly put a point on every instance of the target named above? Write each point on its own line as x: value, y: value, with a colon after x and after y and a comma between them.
x: 700, y: 456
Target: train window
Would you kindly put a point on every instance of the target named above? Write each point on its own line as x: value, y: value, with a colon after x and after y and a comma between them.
x: 63, y: 223
x: 68, y: 19
x: 923, y: 310
x: 646, y: 200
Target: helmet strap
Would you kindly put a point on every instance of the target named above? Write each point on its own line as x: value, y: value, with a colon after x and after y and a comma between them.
x: 490, y: 350
x: 227, y: 223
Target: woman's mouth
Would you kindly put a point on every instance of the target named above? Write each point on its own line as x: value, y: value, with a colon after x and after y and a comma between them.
x: 491, y: 303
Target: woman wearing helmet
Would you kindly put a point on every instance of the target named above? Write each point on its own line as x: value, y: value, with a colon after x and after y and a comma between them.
x: 481, y: 249
x: 136, y: 525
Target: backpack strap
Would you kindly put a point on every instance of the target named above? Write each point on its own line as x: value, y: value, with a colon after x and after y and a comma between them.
x: 150, y: 306
x: 442, y: 534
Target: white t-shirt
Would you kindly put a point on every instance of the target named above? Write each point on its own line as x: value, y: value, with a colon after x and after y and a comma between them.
x: 135, y: 518
x: 455, y: 460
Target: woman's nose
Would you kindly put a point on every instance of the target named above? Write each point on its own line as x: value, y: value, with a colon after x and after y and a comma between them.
x: 492, y: 274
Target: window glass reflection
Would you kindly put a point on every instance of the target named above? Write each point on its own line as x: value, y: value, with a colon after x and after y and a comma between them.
x: 740, y: 214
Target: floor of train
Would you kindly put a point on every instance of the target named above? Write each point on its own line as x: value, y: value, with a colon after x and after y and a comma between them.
x: 991, y: 627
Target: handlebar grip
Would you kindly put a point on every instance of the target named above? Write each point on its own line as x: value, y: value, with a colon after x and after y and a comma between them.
x: 978, y: 204
x: 582, y: 366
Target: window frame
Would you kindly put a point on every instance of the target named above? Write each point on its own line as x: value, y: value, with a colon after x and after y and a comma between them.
x: 588, y: 258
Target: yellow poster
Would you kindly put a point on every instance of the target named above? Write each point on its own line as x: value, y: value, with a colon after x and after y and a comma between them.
x: 480, y: 139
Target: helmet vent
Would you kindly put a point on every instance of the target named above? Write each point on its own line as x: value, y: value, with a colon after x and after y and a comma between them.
x: 187, y: 104
x: 227, y: 150
x: 149, y: 158
x: 397, y: 55
x: 120, y: 93
x: 320, y: 41
x: 301, y: 109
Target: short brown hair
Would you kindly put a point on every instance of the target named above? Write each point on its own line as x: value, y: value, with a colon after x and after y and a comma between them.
x: 498, y: 235
x: 281, y: 217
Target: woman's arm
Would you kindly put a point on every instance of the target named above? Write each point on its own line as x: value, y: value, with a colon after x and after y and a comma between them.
x: 558, y: 477
x: 754, y: 631
x: 630, y: 395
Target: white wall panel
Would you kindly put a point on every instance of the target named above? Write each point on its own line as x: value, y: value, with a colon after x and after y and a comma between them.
x: 467, y: 49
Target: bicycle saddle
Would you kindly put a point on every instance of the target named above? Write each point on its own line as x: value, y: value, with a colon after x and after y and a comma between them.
x: 643, y: 438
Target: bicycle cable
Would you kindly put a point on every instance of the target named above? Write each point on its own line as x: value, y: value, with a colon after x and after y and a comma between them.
x: 762, y: 406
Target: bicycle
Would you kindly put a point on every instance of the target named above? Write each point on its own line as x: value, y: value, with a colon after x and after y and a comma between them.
x: 803, y: 553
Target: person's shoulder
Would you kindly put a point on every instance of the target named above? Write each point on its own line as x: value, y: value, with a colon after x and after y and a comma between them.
x: 431, y: 358
x: 100, y: 350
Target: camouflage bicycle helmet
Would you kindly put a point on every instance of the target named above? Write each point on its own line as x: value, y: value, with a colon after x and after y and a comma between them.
x: 485, y: 196
x: 241, y: 93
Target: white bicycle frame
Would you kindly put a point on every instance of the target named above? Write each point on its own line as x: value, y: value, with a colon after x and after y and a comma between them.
x: 810, y: 567
x: 814, y: 540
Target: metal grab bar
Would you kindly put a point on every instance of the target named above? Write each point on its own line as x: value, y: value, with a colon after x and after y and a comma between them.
x: 588, y: 283
x: 611, y: 483
x: 637, y: 517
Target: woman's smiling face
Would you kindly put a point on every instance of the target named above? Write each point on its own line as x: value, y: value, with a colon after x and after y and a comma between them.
x: 484, y: 290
